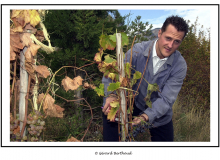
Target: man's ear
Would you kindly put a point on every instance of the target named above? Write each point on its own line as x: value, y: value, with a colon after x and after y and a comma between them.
x: 159, y: 33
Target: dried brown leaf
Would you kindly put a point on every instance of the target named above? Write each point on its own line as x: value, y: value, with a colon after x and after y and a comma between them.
x: 30, y: 28
x: 87, y: 85
x: 18, y: 29
x: 71, y: 84
x: 26, y: 17
x: 49, y: 108
x: 34, y: 48
x: 40, y: 35
x: 29, y: 65
x: 72, y: 139
x: 42, y: 71
x: 25, y: 39
x: 17, y: 130
x: 15, y: 41
x: 12, y: 54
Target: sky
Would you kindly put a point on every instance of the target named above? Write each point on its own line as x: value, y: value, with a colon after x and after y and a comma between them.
x: 156, y: 17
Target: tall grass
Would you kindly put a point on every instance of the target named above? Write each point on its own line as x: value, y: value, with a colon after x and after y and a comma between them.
x: 190, y: 125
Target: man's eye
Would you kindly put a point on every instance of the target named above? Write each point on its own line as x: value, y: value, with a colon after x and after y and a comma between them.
x: 168, y: 38
x: 177, y: 42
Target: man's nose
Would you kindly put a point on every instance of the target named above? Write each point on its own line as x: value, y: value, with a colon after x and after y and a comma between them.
x: 170, y: 44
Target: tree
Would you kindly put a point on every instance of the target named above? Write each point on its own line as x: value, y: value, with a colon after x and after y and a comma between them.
x: 139, y: 29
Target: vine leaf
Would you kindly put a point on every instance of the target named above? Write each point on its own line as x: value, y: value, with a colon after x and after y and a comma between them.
x: 42, y: 71
x: 127, y: 69
x: 114, y: 106
x: 98, y: 56
x: 72, y: 139
x: 124, y: 39
x: 17, y: 130
x: 150, y: 89
x: 110, y: 61
x: 109, y: 67
x: 25, y: 39
x: 113, y: 37
x: 123, y: 81
x: 49, y: 108
x: 34, y: 48
x: 113, y: 86
x: 23, y: 17
x: 39, y: 35
x: 100, y: 90
x: 71, y: 84
x: 106, y: 43
x: 34, y: 17
x: 136, y: 76
x: 87, y: 85
x: 15, y: 44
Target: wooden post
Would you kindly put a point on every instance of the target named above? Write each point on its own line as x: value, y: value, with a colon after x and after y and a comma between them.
x: 23, y: 88
x: 120, y: 61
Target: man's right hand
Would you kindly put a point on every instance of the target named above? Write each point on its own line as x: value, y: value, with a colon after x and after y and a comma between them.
x: 106, y: 108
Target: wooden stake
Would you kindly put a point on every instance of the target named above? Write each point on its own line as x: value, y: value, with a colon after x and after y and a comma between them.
x: 23, y: 87
x: 120, y: 60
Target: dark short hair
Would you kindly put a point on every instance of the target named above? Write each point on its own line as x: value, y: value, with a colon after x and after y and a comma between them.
x: 178, y: 22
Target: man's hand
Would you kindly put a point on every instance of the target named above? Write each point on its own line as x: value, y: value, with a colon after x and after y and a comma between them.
x: 138, y: 120
x: 105, y: 109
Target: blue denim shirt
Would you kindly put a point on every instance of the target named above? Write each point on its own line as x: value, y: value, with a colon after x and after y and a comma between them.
x: 169, y: 78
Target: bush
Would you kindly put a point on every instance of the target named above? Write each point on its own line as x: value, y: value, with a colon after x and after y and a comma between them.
x: 196, y: 51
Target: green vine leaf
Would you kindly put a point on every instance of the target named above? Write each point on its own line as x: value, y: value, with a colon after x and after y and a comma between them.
x: 113, y: 37
x: 106, y: 43
x: 100, y: 90
x: 113, y: 86
x: 114, y: 104
x: 136, y: 76
x: 124, y: 39
x: 112, y: 113
x: 127, y: 69
x: 150, y: 89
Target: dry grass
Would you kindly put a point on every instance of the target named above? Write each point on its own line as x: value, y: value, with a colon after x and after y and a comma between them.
x: 190, y: 125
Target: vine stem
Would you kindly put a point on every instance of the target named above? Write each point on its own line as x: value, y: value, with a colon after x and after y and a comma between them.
x: 131, y: 105
x: 143, y: 72
x: 14, y: 78
x: 52, y: 80
x: 15, y: 100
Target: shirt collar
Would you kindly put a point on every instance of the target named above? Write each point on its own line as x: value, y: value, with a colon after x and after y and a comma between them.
x: 170, y: 58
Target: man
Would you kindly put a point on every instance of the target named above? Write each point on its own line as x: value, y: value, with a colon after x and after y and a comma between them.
x: 167, y: 68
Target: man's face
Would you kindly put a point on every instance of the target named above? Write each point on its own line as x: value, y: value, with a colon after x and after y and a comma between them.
x: 168, y: 41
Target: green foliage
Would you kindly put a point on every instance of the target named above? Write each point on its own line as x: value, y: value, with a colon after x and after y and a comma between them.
x: 140, y: 29
x: 150, y: 89
x: 113, y: 86
x: 196, y: 51
x: 100, y: 90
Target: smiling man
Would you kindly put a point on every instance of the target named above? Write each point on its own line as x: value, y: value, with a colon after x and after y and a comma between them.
x: 167, y: 68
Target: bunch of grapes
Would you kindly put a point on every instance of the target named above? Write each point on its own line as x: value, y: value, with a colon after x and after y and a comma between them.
x: 140, y: 128
x: 14, y: 123
x: 36, y: 125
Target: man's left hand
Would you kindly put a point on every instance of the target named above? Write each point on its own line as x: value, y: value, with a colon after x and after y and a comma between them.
x: 140, y: 118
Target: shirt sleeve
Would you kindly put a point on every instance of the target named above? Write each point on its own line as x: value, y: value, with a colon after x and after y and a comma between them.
x: 168, y: 94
